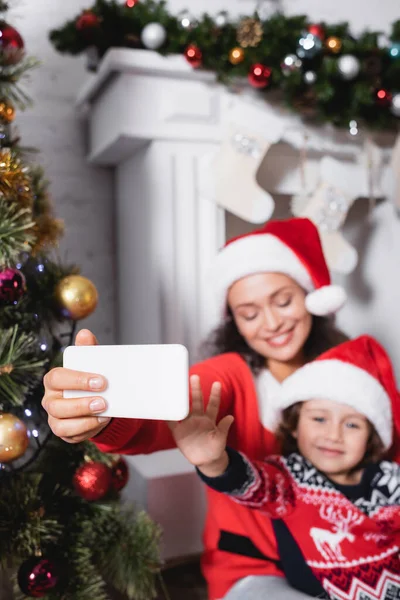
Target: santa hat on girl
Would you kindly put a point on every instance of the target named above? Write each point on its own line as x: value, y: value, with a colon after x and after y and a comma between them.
x: 357, y: 373
x: 292, y: 247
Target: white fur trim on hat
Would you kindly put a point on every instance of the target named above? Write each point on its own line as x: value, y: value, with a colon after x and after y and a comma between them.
x: 326, y: 300
x: 345, y: 383
x: 259, y: 253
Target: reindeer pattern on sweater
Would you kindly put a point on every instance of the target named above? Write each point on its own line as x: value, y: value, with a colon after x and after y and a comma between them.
x: 352, y: 548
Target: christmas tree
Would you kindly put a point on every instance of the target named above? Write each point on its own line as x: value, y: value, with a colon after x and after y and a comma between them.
x: 63, y: 532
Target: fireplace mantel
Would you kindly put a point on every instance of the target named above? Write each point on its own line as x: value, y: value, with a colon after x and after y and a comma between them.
x: 138, y: 95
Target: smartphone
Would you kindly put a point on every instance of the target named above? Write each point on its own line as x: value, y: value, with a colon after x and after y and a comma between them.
x: 144, y: 381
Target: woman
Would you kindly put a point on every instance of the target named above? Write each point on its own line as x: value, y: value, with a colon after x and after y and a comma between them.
x: 274, y: 295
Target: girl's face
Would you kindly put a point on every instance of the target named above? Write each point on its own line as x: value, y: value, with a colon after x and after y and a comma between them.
x: 269, y: 312
x: 333, y: 437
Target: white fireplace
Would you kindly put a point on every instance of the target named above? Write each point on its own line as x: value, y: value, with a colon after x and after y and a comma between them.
x: 159, y: 123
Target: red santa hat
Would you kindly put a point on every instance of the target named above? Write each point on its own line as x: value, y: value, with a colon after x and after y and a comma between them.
x: 292, y: 247
x: 357, y: 373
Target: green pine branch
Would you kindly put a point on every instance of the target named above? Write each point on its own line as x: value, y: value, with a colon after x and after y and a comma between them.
x: 11, y: 75
x: 20, y: 369
x: 23, y: 526
x: 16, y: 231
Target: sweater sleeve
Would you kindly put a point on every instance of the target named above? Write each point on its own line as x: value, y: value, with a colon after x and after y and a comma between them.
x: 263, y: 485
x: 137, y: 436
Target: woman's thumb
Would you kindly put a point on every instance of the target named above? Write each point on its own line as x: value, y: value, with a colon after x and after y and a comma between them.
x: 85, y: 338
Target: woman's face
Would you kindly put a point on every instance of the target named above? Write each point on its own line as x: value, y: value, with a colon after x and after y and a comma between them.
x: 269, y: 312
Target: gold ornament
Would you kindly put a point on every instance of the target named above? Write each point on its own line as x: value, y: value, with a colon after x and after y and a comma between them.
x: 7, y: 112
x: 14, y: 438
x: 334, y: 44
x: 14, y: 179
x: 249, y: 33
x: 236, y: 55
x: 77, y: 297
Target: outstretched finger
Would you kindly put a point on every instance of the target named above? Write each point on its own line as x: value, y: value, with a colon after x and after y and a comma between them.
x: 214, y: 401
x: 197, y: 395
x: 225, y: 424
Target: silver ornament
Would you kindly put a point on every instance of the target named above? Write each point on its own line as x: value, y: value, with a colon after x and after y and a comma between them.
x: 395, y: 105
x: 153, y: 36
x: 394, y: 50
x: 310, y: 77
x: 290, y: 64
x: 353, y: 127
x: 221, y: 19
x: 348, y: 66
x: 186, y: 20
x: 309, y: 46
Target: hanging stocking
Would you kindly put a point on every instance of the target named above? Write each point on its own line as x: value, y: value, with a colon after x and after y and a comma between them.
x: 327, y: 207
x: 229, y: 176
x: 236, y: 166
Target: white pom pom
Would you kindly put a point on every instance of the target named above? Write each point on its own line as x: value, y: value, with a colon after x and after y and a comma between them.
x: 326, y: 300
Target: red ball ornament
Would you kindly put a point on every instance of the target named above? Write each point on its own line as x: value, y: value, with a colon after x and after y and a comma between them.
x: 92, y: 481
x: 317, y: 30
x: 383, y: 97
x: 131, y: 3
x: 12, y: 286
x: 11, y: 43
x: 37, y: 576
x: 119, y: 475
x: 87, y: 20
x: 259, y: 75
x: 193, y: 55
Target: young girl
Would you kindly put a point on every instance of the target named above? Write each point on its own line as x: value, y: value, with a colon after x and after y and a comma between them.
x: 333, y: 500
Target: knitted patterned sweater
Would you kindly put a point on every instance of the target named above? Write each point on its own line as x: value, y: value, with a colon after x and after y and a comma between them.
x: 351, y: 547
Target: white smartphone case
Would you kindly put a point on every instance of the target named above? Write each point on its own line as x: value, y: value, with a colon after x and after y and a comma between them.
x: 144, y: 381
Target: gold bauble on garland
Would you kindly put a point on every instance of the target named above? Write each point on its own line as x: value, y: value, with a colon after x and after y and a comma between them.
x: 334, y: 44
x: 236, y: 55
x: 14, y: 438
x: 249, y: 33
x: 76, y: 296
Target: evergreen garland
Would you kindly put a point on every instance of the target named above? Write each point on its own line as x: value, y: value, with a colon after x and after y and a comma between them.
x: 317, y: 90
